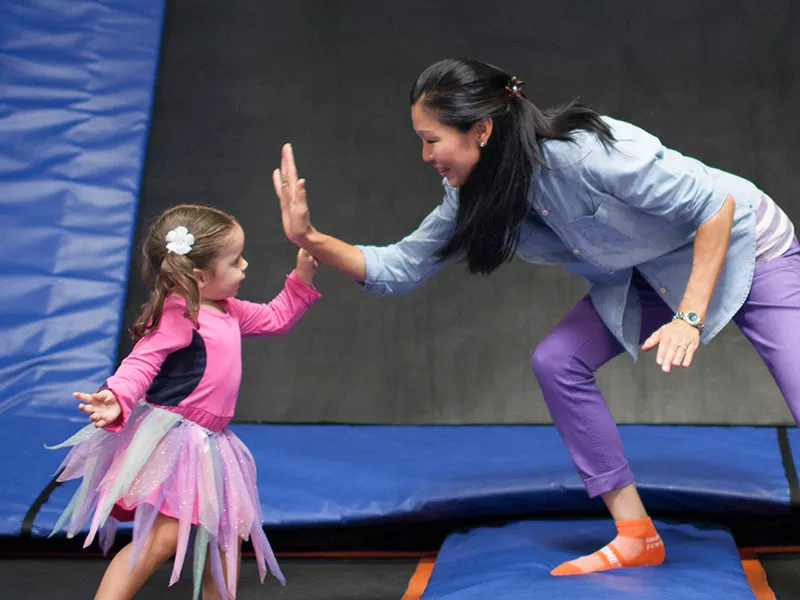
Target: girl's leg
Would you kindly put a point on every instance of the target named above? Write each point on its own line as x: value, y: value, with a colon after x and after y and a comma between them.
x: 121, y: 584
x: 565, y: 363
x: 770, y: 319
x: 210, y: 589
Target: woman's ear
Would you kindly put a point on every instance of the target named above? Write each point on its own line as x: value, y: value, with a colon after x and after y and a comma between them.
x: 483, y: 131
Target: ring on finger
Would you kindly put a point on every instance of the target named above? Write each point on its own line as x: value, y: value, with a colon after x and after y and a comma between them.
x: 284, y: 182
x: 681, y: 346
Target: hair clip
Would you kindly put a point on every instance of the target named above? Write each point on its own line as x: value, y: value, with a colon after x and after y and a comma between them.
x: 514, y: 88
x: 179, y: 240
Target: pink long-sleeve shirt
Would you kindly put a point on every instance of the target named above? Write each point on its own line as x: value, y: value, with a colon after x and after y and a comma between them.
x: 197, y: 372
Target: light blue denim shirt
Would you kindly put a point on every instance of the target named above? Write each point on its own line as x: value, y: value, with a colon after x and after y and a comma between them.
x: 600, y: 212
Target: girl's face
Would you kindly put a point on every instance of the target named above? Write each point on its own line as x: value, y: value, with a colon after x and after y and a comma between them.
x: 222, y: 280
x: 451, y: 152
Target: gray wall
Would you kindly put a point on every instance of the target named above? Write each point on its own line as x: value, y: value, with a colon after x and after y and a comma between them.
x: 714, y: 79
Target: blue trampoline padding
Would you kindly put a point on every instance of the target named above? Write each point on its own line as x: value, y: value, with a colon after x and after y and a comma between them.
x: 77, y: 85
x: 337, y: 474
x: 793, y: 436
x: 327, y: 475
x: 514, y: 563
x: 26, y: 466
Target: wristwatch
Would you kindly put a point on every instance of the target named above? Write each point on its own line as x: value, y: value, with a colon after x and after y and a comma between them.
x: 692, y: 318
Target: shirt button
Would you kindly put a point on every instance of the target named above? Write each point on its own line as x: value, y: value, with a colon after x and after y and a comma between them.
x: 611, y: 272
x: 545, y: 213
x: 663, y: 290
x: 576, y: 251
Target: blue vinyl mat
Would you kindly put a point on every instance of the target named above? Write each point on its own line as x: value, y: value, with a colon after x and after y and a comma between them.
x: 514, y: 563
x: 77, y: 82
x: 327, y: 475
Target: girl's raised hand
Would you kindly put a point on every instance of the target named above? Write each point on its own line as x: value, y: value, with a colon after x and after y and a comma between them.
x: 306, y: 267
x: 102, y: 407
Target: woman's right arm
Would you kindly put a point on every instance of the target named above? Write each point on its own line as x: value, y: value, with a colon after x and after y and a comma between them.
x: 334, y: 252
x: 392, y: 269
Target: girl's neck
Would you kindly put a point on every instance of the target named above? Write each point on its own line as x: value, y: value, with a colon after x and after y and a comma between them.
x: 212, y: 304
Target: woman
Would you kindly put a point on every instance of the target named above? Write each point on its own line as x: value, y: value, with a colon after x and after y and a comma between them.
x: 672, y: 251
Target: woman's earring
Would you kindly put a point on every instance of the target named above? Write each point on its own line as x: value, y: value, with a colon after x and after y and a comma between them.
x: 482, y: 144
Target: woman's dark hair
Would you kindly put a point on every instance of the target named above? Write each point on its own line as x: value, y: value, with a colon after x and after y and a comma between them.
x: 493, y: 201
x: 167, y: 273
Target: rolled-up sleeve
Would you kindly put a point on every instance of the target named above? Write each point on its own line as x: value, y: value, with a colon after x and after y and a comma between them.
x: 400, y: 267
x: 640, y: 171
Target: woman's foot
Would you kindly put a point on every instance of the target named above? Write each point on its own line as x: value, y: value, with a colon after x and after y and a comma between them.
x: 637, y: 545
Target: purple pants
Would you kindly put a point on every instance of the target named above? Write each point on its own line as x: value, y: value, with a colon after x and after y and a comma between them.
x: 566, y: 360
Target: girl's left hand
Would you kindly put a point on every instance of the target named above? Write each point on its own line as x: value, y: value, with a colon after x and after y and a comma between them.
x: 102, y: 407
x: 677, y: 342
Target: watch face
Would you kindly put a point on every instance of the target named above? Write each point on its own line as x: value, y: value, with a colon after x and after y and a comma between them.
x: 693, y: 318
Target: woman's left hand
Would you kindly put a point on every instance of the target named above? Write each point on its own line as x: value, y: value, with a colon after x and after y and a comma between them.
x: 676, y: 341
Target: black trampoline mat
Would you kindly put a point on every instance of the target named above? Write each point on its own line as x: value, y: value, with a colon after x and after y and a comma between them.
x: 783, y: 574
x: 308, y: 578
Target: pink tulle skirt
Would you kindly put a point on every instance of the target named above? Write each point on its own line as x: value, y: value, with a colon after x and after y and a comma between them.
x: 164, y: 464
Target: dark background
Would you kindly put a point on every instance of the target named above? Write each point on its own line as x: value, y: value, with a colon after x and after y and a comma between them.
x: 717, y: 80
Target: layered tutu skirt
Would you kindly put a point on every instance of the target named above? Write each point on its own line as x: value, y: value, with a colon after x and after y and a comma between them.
x: 163, y: 463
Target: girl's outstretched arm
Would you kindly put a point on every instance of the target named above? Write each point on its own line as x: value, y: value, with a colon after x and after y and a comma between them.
x: 278, y: 316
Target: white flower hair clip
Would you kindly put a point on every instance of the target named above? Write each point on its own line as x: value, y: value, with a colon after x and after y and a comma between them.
x: 179, y: 240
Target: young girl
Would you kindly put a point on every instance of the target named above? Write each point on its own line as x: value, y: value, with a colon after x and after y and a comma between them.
x: 158, y: 451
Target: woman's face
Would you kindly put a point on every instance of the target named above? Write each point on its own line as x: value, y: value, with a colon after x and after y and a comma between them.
x: 451, y: 152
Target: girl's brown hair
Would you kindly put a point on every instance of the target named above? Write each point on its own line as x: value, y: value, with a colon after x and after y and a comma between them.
x: 167, y: 273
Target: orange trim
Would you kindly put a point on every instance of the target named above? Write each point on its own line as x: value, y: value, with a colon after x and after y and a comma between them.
x: 419, y: 581
x: 769, y: 549
x: 757, y: 579
x: 747, y: 554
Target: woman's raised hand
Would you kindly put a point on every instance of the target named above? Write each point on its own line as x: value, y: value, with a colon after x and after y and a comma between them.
x: 292, y: 194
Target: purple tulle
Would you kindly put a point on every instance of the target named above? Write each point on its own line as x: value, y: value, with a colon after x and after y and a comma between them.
x: 163, y: 463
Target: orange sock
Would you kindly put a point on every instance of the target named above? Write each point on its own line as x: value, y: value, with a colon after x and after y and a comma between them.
x: 637, y: 545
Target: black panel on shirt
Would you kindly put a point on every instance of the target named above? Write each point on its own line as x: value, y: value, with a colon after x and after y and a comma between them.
x: 180, y: 374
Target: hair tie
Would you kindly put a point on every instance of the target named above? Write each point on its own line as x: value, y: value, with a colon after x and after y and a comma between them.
x: 514, y: 88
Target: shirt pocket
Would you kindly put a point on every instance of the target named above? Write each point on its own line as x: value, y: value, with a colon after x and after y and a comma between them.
x: 620, y: 235
x: 593, y: 231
